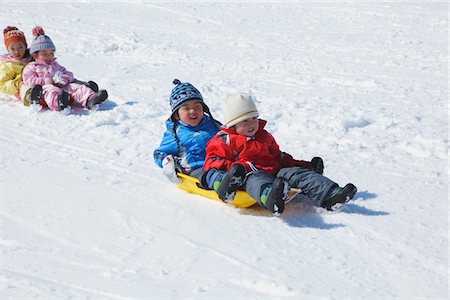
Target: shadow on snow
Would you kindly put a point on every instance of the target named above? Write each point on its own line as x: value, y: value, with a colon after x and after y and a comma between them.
x: 303, y: 214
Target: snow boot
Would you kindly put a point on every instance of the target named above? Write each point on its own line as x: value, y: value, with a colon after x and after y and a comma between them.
x: 233, y: 180
x: 343, y: 195
x: 273, y: 196
x: 317, y: 165
x: 35, y: 94
x: 93, y: 85
x: 97, y: 98
x: 63, y: 100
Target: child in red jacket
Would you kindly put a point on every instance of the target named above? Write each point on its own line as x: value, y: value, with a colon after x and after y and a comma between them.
x: 247, y: 156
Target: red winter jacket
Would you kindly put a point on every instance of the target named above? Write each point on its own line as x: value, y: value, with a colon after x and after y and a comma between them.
x: 227, y: 148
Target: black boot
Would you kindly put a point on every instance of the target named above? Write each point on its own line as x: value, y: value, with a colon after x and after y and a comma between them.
x: 342, y: 196
x: 234, y: 179
x: 63, y: 100
x: 93, y: 86
x: 35, y: 94
x: 317, y: 165
x: 97, y: 98
x: 274, y: 199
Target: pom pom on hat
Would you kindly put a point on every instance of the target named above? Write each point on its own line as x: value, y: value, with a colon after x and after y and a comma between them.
x: 40, y: 40
x: 11, y: 34
x: 239, y: 107
x: 9, y: 28
x: 37, y: 31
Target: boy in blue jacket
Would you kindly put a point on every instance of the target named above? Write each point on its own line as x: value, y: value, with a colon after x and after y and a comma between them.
x: 188, y: 129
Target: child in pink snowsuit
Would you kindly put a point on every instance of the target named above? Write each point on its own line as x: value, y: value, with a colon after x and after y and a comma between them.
x: 58, y: 84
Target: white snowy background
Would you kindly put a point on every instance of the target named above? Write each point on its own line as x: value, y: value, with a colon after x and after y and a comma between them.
x: 86, y: 214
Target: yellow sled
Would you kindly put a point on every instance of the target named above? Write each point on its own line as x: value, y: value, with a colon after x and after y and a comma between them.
x: 241, y: 200
x: 189, y: 184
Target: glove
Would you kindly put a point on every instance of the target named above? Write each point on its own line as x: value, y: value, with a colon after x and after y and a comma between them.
x: 169, y: 170
x: 59, y: 80
x: 317, y: 165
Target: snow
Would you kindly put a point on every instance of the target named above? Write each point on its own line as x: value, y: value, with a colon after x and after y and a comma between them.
x: 86, y: 214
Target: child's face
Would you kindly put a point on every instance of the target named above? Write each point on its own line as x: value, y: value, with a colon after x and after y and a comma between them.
x: 17, y: 49
x: 191, y: 112
x: 45, y: 55
x: 248, y: 127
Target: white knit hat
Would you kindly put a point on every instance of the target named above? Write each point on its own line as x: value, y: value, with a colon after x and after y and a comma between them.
x: 237, y: 108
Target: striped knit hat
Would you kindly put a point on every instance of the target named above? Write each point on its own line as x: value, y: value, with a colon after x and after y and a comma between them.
x: 40, y: 40
x: 183, y: 92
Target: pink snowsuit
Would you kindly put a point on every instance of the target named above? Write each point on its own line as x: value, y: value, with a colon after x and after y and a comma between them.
x: 38, y: 72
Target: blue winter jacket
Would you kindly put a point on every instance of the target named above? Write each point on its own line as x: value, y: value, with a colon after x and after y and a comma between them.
x: 190, y: 151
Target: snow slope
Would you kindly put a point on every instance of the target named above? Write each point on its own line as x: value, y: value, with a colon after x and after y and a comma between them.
x: 86, y: 214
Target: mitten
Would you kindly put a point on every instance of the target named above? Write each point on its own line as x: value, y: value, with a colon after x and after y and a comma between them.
x: 59, y: 79
x: 169, y: 169
x: 317, y: 165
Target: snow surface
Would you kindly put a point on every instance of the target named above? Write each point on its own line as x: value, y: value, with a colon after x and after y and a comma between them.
x: 86, y: 214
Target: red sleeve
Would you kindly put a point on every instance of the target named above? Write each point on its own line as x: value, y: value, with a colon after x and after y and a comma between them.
x: 219, y: 154
x: 286, y: 160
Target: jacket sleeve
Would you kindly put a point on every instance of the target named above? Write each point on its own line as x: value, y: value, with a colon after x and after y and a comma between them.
x: 219, y: 155
x: 9, y: 81
x: 288, y: 161
x: 66, y: 74
x: 30, y: 77
x: 168, y: 146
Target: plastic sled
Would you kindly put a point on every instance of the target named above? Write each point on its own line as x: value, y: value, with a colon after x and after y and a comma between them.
x: 241, y: 200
